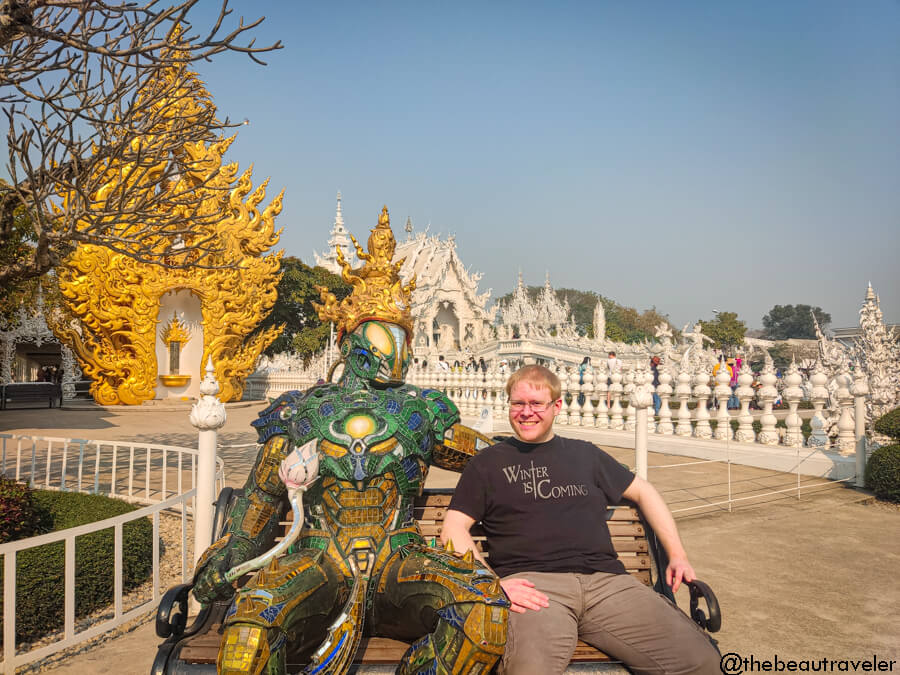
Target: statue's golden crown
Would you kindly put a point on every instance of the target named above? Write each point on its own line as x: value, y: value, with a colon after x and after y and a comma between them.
x: 378, y: 291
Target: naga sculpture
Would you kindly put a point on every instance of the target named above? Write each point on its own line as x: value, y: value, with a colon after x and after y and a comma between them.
x: 359, y: 559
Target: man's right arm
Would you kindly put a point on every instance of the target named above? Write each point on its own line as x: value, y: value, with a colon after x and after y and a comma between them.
x: 456, y: 529
x: 521, y: 593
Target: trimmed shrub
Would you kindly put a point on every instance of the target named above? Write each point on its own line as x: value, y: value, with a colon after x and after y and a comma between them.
x: 18, y: 518
x: 40, y: 571
x: 883, y: 472
x: 889, y: 424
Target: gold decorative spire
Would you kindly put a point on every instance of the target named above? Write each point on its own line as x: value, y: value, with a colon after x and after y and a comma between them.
x: 112, y: 300
x: 378, y: 292
x: 175, y: 331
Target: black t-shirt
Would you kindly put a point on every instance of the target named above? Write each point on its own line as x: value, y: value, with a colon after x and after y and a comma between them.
x: 543, y: 505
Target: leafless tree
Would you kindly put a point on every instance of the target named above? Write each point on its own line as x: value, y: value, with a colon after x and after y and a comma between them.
x: 82, y: 85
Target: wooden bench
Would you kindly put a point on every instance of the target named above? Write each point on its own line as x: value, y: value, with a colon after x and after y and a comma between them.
x: 194, y: 649
x: 30, y: 391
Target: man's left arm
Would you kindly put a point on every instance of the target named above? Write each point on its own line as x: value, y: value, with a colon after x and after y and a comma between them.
x: 660, y: 518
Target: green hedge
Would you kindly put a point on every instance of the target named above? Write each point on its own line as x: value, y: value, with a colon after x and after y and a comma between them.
x: 889, y: 424
x: 883, y: 472
x: 40, y: 571
x: 18, y: 518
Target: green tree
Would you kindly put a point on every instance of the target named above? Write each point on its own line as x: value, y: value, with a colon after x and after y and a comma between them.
x: 726, y: 330
x: 793, y: 321
x: 72, y: 73
x: 17, y: 244
x: 304, y: 333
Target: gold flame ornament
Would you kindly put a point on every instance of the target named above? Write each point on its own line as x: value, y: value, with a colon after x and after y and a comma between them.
x: 378, y: 291
x: 112, y: 300
x: 175, y: 331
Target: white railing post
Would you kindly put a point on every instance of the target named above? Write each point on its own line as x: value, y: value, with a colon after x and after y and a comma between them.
x: 860, y: 389
x: 641, y: 397
x: 818, y: 394
x: 846, y: 442
x: 723, y: 392
x: 207, y: 415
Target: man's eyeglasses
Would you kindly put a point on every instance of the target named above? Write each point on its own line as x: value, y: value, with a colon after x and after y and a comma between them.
x: 536, y: 406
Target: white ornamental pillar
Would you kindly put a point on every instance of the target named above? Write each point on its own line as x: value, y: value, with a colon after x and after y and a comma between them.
x: 615, y: 389
x: 768, y: 435
x: 723, y: 392
x: 860, y: 389
x: 665, y: 413
x: 819, y: 394
x: 793, y: 437
x: 701, y: 413
x: 846, y: 442
x: 587, y: 414
x: 745, y: 394
x: 641, y: 397
x: 601, y: 387
x: 630, y: 409
x: 207, y: 415
x: 683, y: 392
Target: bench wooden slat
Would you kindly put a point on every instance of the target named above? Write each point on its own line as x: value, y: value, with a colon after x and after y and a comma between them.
x: 616, y: 529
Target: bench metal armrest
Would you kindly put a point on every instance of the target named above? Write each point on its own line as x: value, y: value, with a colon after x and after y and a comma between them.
x: 711, y: 620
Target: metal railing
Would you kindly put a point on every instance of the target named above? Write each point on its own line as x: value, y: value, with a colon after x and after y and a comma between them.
x: 161, y: 476
x: 757, y: 486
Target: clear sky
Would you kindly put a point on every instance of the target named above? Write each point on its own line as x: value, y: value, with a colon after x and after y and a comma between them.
x: 690, y: 156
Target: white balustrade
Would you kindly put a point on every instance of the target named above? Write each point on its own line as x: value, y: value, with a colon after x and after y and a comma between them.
x: 723, y: 393
x: 846, y: 441
x: 701, y: 412
x: 745, y: 394
x: 615, y: 420
x: 792, y: 394
x: 768, y: 435
x: 630, y: 411
x: 683, y: 392
x: 664, y: 391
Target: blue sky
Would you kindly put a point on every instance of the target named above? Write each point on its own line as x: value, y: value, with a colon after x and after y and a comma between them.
x: 685, y: 155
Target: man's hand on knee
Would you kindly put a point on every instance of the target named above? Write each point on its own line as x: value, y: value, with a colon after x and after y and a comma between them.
x: 523, y: 595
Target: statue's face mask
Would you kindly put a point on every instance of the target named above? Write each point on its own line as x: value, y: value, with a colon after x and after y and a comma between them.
x: 377, y: 351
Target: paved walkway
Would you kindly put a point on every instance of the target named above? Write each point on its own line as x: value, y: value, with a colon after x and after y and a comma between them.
x: 801, y: 579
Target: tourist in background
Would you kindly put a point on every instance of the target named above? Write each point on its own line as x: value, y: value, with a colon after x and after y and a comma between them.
x: 585, y: 364
x: 654, y: 368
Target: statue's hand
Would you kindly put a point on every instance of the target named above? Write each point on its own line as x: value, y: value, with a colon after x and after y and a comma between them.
x: 209, y: 579
x: 300, y: 469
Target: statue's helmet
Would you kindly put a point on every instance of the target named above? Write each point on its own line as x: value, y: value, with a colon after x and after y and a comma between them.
x: 374, y: 322
x: 377, y: 351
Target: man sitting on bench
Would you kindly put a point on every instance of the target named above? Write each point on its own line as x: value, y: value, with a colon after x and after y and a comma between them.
x: 541, y: 500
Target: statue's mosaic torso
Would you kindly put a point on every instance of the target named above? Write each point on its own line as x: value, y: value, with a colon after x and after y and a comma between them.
x: 375, y: 447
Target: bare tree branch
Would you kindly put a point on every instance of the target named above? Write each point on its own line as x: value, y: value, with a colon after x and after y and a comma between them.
x: 106, y: 126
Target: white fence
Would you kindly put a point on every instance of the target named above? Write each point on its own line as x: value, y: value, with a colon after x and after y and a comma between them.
x: 686, y: 404
x: 161, y: 476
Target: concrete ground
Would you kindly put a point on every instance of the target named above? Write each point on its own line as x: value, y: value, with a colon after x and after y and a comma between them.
x: 798, y: 579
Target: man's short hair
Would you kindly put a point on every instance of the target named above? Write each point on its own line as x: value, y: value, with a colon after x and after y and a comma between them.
x: 539, y: 376
x: 612, y: 353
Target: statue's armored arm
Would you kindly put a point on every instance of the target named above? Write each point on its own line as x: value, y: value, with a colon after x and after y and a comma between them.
x: 251, y: 526
x: 454, y: 443
x: 459, y: 444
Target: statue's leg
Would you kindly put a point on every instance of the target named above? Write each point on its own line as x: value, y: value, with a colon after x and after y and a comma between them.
x: 454, y: 602
x: 282, y: 612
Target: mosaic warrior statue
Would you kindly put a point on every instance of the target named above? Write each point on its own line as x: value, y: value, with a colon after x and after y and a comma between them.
x: 359, y: 559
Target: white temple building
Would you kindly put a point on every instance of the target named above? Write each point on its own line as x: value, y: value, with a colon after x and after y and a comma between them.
x: 451, y: 314
x: 339, y: 238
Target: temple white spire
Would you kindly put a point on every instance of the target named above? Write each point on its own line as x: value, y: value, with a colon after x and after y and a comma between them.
x: 339, y: 238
